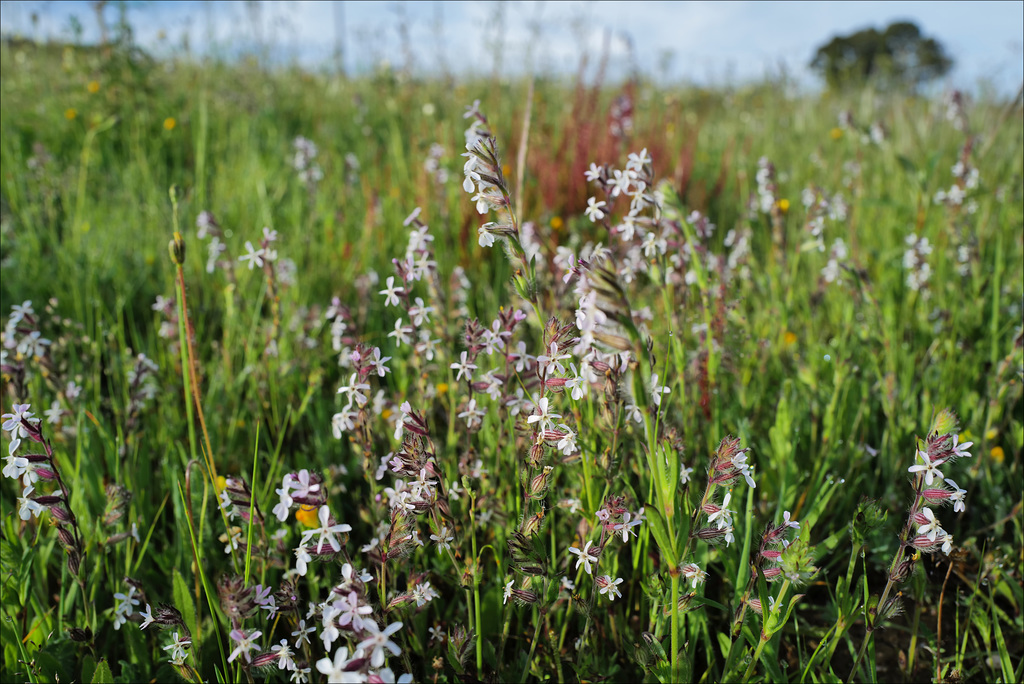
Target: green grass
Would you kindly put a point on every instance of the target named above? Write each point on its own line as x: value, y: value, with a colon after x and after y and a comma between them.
x: 831, y: 385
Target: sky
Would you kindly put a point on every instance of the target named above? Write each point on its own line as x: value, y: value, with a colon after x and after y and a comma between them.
x: 711, y: 43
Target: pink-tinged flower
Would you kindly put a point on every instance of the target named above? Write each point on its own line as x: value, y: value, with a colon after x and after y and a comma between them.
x: 380, y: 640
x: 787, y: 522
x: 351, y: 613
x: 960, y: 450
x: 931, y: 470
x: 245, y: 644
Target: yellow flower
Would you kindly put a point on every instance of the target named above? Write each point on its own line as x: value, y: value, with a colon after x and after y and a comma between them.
x: 505, y: 169
x: 307, y: 515
x: 836, y: 133
x: 385, y: 414
x: 93, y: 87
x: 789, y: 337
x: 170, y: 123
x: 442, y: 388
x: 991, y: 434
x: 783, y: 205
x: 997, y: 454
x: 557, y: 222
x: 220, y: 483
x: 70, y: 113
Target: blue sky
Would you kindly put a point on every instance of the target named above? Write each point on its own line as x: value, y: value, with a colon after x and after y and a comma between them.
x: 703, y: 42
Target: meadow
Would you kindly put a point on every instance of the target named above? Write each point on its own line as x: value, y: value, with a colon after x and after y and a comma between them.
x: 382, y: 378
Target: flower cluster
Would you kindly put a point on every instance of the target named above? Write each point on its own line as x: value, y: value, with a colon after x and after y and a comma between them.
x: 915, y: 261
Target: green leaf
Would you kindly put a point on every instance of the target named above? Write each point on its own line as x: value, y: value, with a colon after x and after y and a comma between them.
x: 102, y: 673
x: 183, y: 601
x: 661, y: 534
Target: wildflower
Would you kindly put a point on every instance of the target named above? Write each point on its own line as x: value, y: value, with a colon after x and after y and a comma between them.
x: 284, y: 655
x: 352, y: 390
x: 245, y: 644
x: 379, y: 640
x: 326, y: 531
x: 956, y: 496
x: 302, y: 558
x: 391, y: 292
x: 402, y: 334
x: 609, y: 586
x: 543, y: 417
x: 177, y: 648
x: 567, y: 444
x: 170, y: 123
x: 568, y: 584
x: 789, y: 523
x: 657, y: 390
x: 302, y: 633
x: 960, y: 450
x: 685, y: 474
x: 593, y: 211
x: 350, y: 612
x: 464, y: 368
x: 147, y: 617
x: 16, y: 465
x: 692, y: 571
x: 253, y: 256
x: 627, y: 525
x: 928, y: 524
x: 123, y: 609
x: 576, y: 384
x: 420, y: 312
x: 28, y: 507
x: 552, y: 360
x: 423, y: 593
x: 442, y: 538
x: 931, y: 470
x: 335, y: 670
x: 15, y: 422
x: 583, y: 557
x: 473, y: 415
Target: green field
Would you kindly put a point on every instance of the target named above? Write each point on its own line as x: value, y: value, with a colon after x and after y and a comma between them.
x: 796, y: 291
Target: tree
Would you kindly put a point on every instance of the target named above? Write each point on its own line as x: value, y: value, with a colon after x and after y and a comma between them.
x: 897, y: 57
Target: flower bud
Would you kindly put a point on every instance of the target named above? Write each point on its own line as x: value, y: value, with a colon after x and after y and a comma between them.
x: 176, y: 248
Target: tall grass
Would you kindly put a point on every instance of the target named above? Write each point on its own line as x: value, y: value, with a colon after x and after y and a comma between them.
x: 819, y: 330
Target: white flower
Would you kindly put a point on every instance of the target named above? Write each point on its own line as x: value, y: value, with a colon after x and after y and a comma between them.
x: 379, y: 640
x: 789, y: 523
x: 391, y: 292
x: 657, y: 390
x: 28, y: 507
x: 14, y: 422
x: 443, y: 538
x: 147, y: 616
x: 593, y: 173
x: 593, y: 210
x: 931, y: 470
x: 335, y: 670
x: 543, y: 417
x: 693, y: 571
x: 473, y: 415
x: 402, y: 334
x: 302, y: 558
x: 930, y: 528
x: 254, y: 256
x: 352, y: 389
x: 464, y: 368
x: 960, y: 450
x: 957, y: 496
x: 508, y: 591
x: 610, y: 586
x: 583, y: 557
x: 326, y: 531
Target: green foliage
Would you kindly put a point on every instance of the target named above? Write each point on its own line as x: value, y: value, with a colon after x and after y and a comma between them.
x: 829, y: 368
x: 897, y: 57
